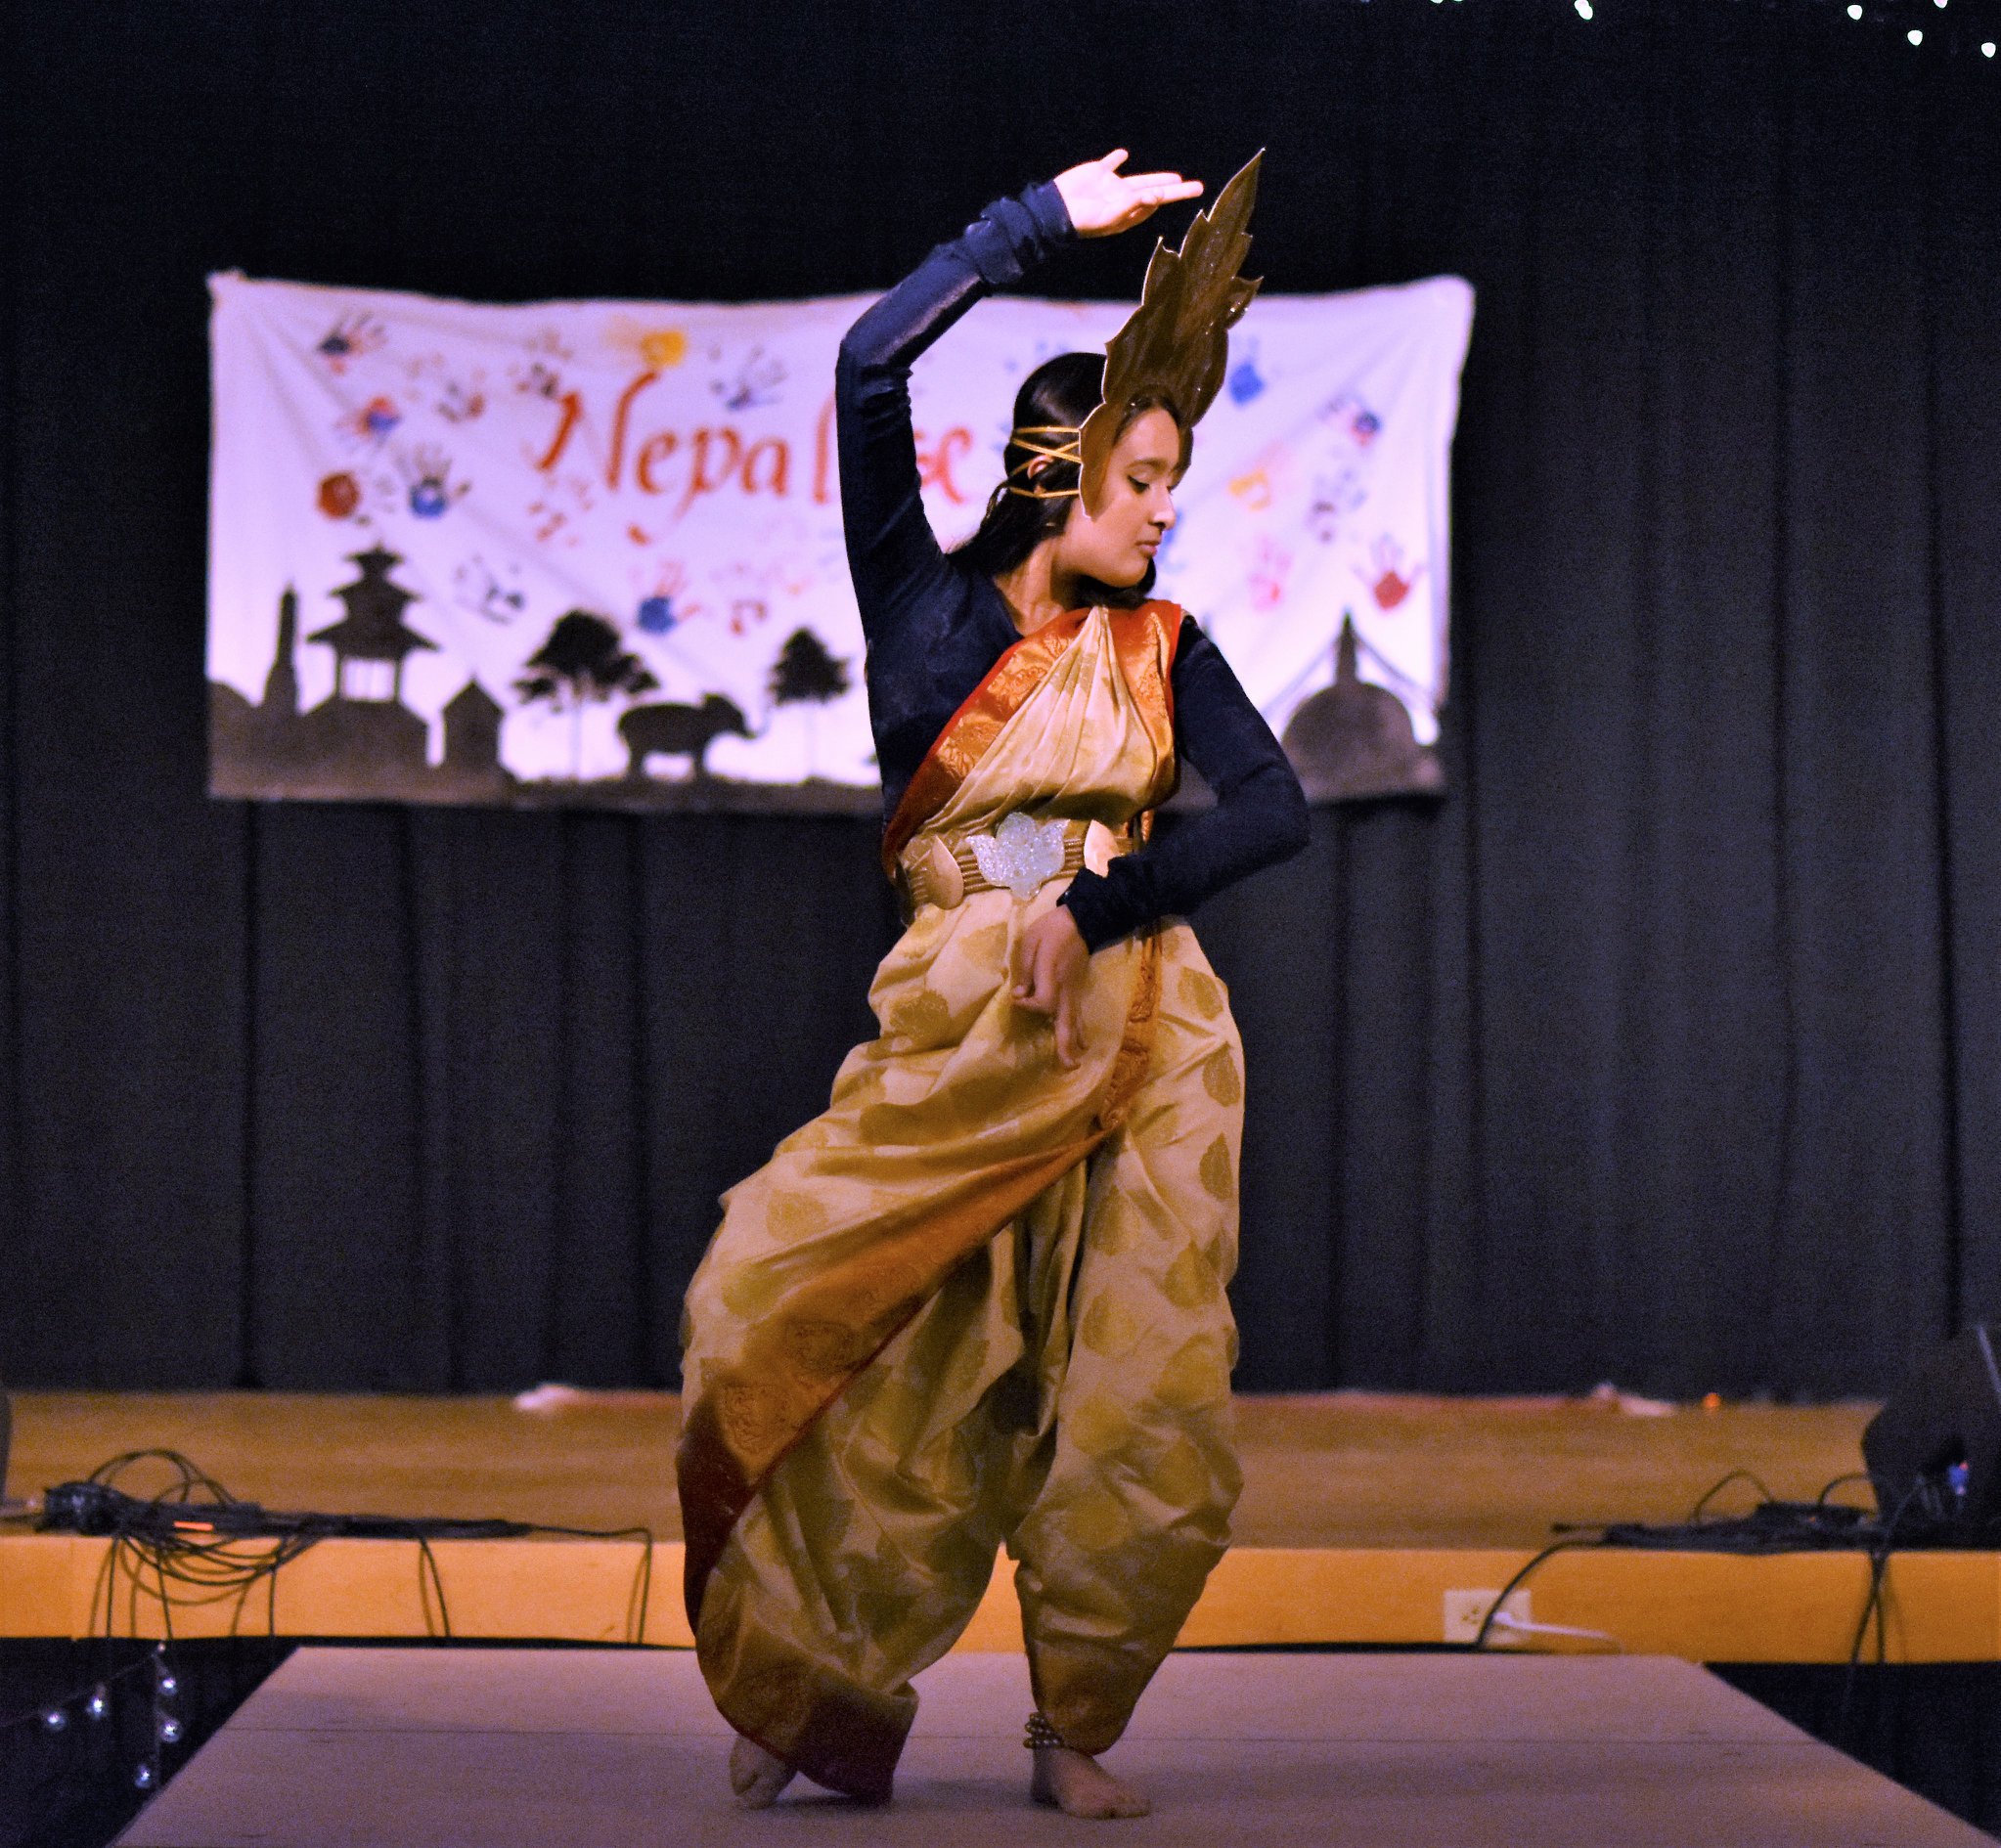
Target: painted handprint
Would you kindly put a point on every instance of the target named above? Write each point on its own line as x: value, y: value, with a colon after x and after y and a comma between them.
x: 754, y: 383
x: 431, y: 491
x: 349, y: 338
x: 476, y: 587
x: 1385, y: 576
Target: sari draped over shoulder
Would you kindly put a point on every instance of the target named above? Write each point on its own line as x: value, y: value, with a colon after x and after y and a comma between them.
x: 980, y: 1299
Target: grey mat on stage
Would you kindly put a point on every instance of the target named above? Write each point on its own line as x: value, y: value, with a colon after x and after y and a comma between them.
x: 489, y: 1748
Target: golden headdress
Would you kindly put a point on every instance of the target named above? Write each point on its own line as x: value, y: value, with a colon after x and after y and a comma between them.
x: 1176, y: 346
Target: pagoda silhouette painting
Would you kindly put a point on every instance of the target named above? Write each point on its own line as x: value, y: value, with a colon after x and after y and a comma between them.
x: 362, y: 741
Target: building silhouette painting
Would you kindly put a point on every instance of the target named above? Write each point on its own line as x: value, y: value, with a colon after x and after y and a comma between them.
x: 1350, y: 742
x: 361, y: 741
x: 1353, y: 741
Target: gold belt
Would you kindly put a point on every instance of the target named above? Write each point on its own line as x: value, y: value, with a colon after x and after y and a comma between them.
x: 1018, y: 854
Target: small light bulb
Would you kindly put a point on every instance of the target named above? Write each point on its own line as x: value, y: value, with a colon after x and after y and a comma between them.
x: 143, y: 1778
x: 1854, y: 13
x: 170, y: 1683
x: 1916, y: 39
x: 170, y: 1729
x: 1584, y: 9
x: 1987, y: 50
x: 100, y: 1702
x: 55, y: 1719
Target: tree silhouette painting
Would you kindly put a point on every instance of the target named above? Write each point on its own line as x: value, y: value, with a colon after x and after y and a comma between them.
x: 584, y: 659
x: 806, y: 674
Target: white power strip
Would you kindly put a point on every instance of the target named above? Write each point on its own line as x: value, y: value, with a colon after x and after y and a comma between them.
x: 1466, y: 1611
x: 1513, y: 1625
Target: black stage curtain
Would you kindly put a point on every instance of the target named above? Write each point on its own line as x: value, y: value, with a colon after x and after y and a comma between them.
x: 1666, y: 1049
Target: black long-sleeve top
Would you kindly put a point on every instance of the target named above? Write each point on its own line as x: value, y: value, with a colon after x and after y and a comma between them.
x: 935, y: 627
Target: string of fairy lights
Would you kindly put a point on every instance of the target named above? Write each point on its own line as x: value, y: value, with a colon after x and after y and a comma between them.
x: 192, y: 1543
x: 1923, y: 24
x: 91, y: 1709
x: 1952, y: 33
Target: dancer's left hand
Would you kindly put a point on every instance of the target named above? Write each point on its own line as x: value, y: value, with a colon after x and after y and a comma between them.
x: 1052, y: 963
x: 1103, y: 201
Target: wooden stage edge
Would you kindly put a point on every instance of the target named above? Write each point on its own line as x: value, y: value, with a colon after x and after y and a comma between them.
x: 1368, y: 1520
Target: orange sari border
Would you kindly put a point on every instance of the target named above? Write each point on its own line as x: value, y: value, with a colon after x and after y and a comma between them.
x: 1145, y: 639
x: 715, y: 1485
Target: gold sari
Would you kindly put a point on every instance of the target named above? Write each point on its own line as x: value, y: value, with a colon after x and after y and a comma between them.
x: 980, y: 1299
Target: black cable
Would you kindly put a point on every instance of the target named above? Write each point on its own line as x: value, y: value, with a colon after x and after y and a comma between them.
x: 192, y: 1476
x: 1879, y: 1568
x: 1736, y: 1475
x: 211, y: 1568
x: 1566, y: 1545
x: 197, y: 1551
x: 426, y: 1558
x: 1773, y: 1526
x: 638, y: 1632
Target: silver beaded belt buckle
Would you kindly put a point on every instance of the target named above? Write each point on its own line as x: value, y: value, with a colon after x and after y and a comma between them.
x: 1018, y: 854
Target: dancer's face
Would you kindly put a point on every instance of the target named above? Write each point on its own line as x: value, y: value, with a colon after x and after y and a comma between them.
x: 1117, y: 547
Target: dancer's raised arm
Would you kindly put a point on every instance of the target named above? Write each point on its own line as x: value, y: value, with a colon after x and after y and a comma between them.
x: 892, y: 552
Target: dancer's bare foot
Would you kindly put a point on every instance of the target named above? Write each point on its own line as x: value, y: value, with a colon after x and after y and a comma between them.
x: 756, y: 1775
x: 1078, y: 1786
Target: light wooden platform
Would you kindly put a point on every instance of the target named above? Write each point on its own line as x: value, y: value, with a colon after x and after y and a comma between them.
x: 1361, y: 1512
x: 1321, y: 1469
x: 503, y: 1748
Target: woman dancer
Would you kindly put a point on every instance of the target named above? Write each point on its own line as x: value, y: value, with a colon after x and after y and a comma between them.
x: 980, y: 1299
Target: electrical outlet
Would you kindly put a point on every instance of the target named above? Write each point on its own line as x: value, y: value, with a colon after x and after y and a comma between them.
x: 1466, y: 1611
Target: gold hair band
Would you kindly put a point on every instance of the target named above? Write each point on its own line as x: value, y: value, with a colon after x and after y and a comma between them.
x: 1023, y: 436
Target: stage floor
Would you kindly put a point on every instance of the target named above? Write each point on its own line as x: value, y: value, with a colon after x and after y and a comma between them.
x: 1366, y: 1520
x: 503, y: 1748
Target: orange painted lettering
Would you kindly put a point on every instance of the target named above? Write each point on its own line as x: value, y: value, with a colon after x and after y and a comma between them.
x: 655, y: 449
x: 614, y: 465
x: 781, y: 459
x: 701, y: 479
x: 822, y: 456
x: 572, y: 415
x: 934, y: 466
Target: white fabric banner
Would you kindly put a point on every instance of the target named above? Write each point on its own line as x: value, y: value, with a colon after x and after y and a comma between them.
x: 591, y: 552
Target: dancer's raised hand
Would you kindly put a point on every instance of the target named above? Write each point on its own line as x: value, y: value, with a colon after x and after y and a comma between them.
x: 1102, y: 201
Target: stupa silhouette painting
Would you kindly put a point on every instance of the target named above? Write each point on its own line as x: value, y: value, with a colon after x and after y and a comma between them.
x: 1352, y: 740
x: 362, y: 741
